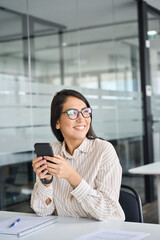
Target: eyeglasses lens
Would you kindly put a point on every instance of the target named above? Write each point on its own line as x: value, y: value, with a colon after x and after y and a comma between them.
x: 72, y: 114
x: 86, y: 112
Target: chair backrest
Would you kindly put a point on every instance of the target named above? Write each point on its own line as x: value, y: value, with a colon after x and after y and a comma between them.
x: 131, y: 204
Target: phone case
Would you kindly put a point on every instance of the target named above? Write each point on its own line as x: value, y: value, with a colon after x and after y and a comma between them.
x: 43, y: 149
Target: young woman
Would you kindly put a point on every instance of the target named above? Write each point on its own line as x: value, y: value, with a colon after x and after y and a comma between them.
x: 86, y: 177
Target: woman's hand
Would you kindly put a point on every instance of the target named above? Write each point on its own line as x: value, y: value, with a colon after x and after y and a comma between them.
x: 62, y: 169
x: 40, y: 168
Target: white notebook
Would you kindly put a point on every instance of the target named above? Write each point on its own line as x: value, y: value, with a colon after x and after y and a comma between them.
x: 26, y: 224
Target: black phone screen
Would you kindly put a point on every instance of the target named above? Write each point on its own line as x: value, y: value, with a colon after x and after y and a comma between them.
x: 43, y: 149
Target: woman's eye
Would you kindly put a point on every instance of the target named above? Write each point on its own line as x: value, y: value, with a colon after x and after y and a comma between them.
x: 71, y: 112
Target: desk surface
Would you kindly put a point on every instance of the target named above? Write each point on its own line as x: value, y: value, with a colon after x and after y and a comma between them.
x: 148, y: 169
x: 70, y: 228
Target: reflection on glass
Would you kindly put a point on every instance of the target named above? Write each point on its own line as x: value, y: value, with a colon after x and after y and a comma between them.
x: 88, y: 45
x: 15, y: 110
x: 154, y: 53
x: 154, y: 37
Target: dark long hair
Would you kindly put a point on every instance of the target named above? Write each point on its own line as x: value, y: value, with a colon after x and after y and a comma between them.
x: 56, y: 109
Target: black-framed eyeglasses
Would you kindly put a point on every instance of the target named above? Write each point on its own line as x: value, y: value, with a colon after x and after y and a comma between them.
x: 74, y: 113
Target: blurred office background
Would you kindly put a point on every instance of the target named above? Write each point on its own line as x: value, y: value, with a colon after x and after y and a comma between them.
x: 109, y: 51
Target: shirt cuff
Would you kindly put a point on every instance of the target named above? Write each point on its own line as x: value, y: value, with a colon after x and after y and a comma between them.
x: 81, y: 191
x: 43, y: 190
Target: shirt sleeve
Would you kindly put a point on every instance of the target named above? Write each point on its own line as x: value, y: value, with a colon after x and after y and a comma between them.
x: 102, y: 202
x: 38, y: 199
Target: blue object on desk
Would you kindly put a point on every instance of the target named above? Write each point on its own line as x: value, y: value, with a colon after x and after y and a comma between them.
x: 14, y: 223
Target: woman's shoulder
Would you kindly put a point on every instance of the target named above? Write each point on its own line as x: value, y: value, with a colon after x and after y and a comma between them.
x: 107, y: 149
x: 100, y: 145
x: 103, y: 143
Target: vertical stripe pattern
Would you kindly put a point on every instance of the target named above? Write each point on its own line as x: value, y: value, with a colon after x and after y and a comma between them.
x: 96, y: 196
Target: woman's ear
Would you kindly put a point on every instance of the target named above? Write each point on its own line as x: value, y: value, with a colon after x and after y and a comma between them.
x: 58, y: 125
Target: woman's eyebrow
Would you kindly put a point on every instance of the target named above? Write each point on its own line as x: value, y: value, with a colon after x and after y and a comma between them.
x: 74, y: 109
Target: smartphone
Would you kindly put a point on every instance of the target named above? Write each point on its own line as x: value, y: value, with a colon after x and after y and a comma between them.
x: 43, y: 149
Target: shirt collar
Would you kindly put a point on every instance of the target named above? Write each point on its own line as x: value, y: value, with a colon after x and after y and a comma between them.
x: 82, y: 148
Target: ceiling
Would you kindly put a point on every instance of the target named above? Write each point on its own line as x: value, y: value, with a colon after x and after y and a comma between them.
x: 76, y: 14
x: 84, y: 12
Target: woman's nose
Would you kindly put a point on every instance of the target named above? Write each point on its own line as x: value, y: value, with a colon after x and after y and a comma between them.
x: 80, y: 117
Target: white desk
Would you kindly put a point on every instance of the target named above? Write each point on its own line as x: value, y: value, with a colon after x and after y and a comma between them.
x: 70, y: 228
x: 150, y: 169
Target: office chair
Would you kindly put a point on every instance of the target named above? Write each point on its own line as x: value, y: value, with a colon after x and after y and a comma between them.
x: 131, y: 204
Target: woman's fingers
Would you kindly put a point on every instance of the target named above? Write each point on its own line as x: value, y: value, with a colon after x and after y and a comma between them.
x: 60, y: 169
x: 40, y: 169
x: 56, y: 159
x: 42, y: 175
x: 54, y: 163
x: 36, y: 160
x: 56, y: 166
x: 39, y: 164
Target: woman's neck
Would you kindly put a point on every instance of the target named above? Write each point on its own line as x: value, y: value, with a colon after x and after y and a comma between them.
x: 71, y: 146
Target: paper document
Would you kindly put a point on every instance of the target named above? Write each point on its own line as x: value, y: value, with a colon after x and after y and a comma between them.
x: 25, y: 225
x: 105, y: 234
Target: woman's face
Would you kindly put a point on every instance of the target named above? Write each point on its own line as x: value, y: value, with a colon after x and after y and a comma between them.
x: 73, y: 130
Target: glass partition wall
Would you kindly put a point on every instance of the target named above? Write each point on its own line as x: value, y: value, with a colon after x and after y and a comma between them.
x: 153, y: 33
x: 86, y: 45
x: 154, y: 52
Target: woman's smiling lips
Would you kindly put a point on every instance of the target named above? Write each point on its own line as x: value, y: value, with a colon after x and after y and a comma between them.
x: 79, y: 127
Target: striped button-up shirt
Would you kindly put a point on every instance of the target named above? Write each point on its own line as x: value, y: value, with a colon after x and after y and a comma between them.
x: 97, y: 194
